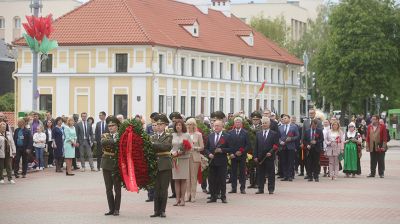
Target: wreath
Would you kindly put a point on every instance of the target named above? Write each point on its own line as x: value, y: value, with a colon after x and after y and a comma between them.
x: 137, y: 161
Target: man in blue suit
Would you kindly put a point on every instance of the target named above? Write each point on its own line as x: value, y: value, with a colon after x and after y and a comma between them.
x: 240, y: 145
x: 264, y: 153
x: 289, y: 135
x: 217, y: 148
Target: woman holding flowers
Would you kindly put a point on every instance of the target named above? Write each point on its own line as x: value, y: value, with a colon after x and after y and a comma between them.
x: 334, y: 146
x: 181, y: 146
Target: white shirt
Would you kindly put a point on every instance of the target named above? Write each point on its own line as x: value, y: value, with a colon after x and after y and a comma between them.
x: 265, y: 133
x: 50, y: 136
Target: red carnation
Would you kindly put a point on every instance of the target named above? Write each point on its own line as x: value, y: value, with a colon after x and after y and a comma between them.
x: 275, y: 147
x: 338, y: 140
x: 241, y: 150
x: 221, y: 141
x: 186, y: 145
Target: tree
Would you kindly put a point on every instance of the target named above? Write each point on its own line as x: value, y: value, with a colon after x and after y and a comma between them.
x: 7, y: 102
x: 361, y: 55
x: 275, y: 29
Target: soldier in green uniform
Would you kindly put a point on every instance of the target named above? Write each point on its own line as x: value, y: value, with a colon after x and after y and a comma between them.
x: 162, y: 145
x: 109, y: 164
x: 255, y: 127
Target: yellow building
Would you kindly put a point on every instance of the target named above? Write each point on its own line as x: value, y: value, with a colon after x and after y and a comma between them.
x: 136, y: 57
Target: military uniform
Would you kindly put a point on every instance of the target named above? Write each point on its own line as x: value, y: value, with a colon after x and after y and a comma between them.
x: 109, y: 164
x: 253, y: 171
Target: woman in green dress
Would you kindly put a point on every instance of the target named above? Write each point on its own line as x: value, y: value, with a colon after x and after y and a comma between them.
x: 352, y: 139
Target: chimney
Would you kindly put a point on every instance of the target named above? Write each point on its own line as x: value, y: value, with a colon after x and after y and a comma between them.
x: 222, y: 5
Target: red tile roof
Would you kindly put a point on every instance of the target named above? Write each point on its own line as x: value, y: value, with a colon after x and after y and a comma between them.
x: 135, y: 22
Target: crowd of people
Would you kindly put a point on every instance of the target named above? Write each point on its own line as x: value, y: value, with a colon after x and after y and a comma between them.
x: 280, y: 149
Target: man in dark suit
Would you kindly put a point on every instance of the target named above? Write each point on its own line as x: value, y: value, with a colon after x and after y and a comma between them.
x: 240, y: 145
x: 289, y: 134
x: 84, y: 135
x: 265, y: 149
x: 22, y: 140
x: 101, y: 128
x: 313, y: 140
x: 217, y: 147
x: 255, y: 127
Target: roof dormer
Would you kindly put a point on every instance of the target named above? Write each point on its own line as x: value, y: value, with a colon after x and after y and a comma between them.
x: 246, y: 35
x: 191, y: 25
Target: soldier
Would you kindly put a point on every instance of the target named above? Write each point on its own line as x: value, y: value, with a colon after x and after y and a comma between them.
x: 162, y: 144
x: 109, y: 164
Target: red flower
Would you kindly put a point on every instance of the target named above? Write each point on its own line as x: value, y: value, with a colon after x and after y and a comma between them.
x: 38, y: 27
x: 290, y: 134
x: 275, y: 147
x: 186, y: 145
x: 221, y: 141
x: 316, y: 135
x: 338, y: 140
x: 241, y: 149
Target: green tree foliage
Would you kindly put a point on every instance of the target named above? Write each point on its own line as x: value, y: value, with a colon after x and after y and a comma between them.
x: 7, y: 102
x: 274, y: 29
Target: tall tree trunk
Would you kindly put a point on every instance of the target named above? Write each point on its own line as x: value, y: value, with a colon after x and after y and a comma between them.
x: 343, y: 107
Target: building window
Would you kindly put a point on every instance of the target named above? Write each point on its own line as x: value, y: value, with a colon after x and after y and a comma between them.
x: 193, y: 66
x: 221, y: 104
x: 193, y: 106
x: 242, y: 104
x: 174, y: 103
x: 250, y: 73
x: 121, y: 105
x: 161, y: 63
x: 202, y: 105
x: 183, y: 105
x: 161, y: 102
x: 203, y: 68
x: 279, y: 76
x: 121, y: 62
x: 45, y: 102
x: 272, y: 75
x: 46, y: 64
x: 2, y: 23
x: 292, y: 77
x: 232, y: 105
x: 250, y: 106
x: 242, y: 72
x: 17, y: 22
x: 212, y: 104
x: 258, y: 104
x: 221, y: 70
x: 279, y: 107
x: 265, y: 104
x: 232, y: 70
x: 258, y: 74
x: 212, y: 69
x: 195, y: 30
x: 293, y: 102
x: 273, y: 105
x: 265, y: 74
x: 182, y: 66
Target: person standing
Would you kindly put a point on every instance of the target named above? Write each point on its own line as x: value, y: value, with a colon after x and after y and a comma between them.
x: 299, y: 157
x: 109, y: 164
x: 240, y: 145
x: 35, y: 123
x: 217, y: 148
x: 256, y: 126
x: 39, y: 143
x: 22, y: 141
x: 84, y: 133
x: 376, y: 146
x: 264, y: 154
x: 289, y: 134
x: 351, y: 153
x: 194, y: 160
x: 324, y: 160
x: 69, y: 144
x: 334, y: 146
x: 49, y: 141
x: 7, y: 152
x: 58, y: 143
x: 162, y: 145
x: 313, y: 140
x: 101, y: 128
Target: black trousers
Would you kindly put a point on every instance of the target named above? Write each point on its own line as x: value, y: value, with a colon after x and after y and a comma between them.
x: 266, y: 168
x: 111, y: 182
x: 217, y: 181
x: 204, y: 184
x: 99, y: 154
x: 51, y: 153
x: 280, y: 164
x: 241, y: 164
x: 287, y: 160
x: 161, y: 190
x: 313, y: 163
x: 21, y: 153
x: 377, y: 158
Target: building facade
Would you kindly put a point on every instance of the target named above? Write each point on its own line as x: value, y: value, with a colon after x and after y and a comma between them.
x: 150, y: 59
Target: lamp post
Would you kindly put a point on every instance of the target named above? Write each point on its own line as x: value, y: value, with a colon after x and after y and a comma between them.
x: 305, y: 60
x: 35, y: 5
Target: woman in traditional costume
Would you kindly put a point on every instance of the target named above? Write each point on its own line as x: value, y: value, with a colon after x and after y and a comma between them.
x: 351, y: 151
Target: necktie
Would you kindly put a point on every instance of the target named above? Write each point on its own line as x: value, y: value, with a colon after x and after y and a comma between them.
x: 285, y: 129
x: 265, y: 134
x: 217, y: 139
x: 237, y: 132
x: 102, y: 127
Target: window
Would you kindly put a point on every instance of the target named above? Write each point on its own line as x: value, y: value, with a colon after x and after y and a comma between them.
x: 258, y: 104
x: 265, y: 104
x: 202, y: 105
x: 17, y: 23
x: 121, y: 62
x: 183, y: 105
x: 45, y: 102
x: 212, y: 69
x: 272, y: 75
x: 193, y: 66
x: 203, y: 68
x: 182, y: 66
x: 195, y: 30
x: 2, y: 23
x: 279, y: 106
x: 161, y: 101
x: 174, y: 103
x: 232, y: 70
x: 250, y: 73
x: 241, y: 71
x: 293, y: 102
x: 265, y: 74
x: 272, y: 105
x: 242, y: 104
x: 232, y: 105
x: 121, y: 105
x: 221, y: 104
x: 161, y: 63
x: 221, y: 70
x: 46, y: 64
x: 292, y: 77
x: 250, y: 106
x: 212, y: 104
x: 279, y: 76
x: 258, y: 74
x: 193, y: 106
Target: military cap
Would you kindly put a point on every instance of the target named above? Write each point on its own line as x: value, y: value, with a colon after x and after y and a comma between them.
x: 256, y: 114
x: 113, y: 120
x: 218, y: 115
x: 161, y: 119
x: 175, y: 115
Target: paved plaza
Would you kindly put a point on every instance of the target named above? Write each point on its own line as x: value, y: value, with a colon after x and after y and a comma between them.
x: 49, y: 197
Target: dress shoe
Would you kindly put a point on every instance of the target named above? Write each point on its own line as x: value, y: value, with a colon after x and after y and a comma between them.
x: 172, y: 196
x: 70, y: 174
x: 279, y: 177
x: 290, y: 179
x: 310, y: 179
x: 260, y: 192
x: 212, y: 201
x: 371, y: 175
x: 271, y: 192
x: 163, y: 215
x: 16, y: 176
x: 209, y: 197
x: 285, y: 179
x: 149, y: 200
x: 109, y: 213
x: 116, y: 213
x: 155, y: 215
x: 381, y: 176
x: 232, y: 191
x: 302, y: 174
x: 251, y: 186
x: 204, y: 190
x: 316, y: 180
x: 306, y: 177
x: 243, y: 192
x: 224, y: 200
